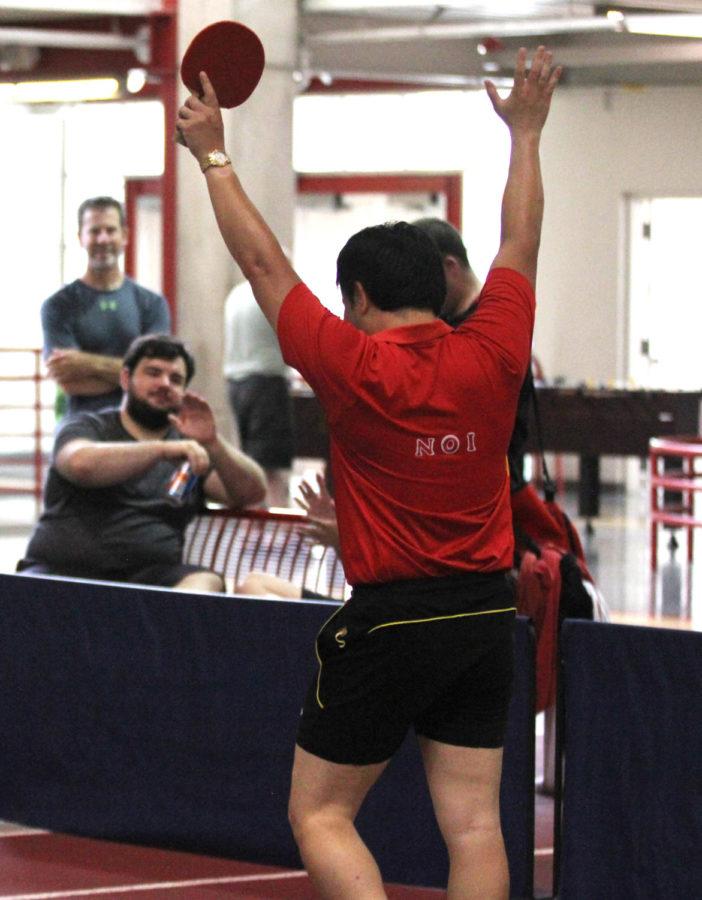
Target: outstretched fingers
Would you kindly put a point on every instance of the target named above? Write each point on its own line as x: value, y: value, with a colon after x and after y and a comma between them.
x: 520, y: 73
x: 541, y: 74
x: 553, y: 80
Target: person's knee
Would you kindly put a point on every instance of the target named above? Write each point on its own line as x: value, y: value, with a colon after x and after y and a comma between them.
x: 211, y: 582
x: 307, y: 823
x: 252, y: 584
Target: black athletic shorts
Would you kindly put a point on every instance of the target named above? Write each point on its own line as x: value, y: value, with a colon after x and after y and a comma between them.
x: 435, y: 654
x: 159, y: 574
x: 263, y: 409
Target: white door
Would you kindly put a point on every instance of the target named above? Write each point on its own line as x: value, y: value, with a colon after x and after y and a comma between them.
x: 665, y: 293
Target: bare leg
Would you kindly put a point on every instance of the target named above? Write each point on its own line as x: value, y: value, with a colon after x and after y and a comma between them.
x: 201, y: 581
x: 261, y: 584
x: 324, y: 800
x: 465, y: 790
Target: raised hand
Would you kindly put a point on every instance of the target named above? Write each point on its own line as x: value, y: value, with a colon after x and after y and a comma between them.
x: 195, y: 419
x: 321, y: 512
x: 528, y: 103
x: 319, y: 504
x: 200, y: 121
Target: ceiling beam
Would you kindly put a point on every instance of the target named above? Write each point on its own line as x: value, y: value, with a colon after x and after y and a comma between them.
x: 85, y: 7
x: 462, y: 30
x: 629, y: 53
x: 138, y: 43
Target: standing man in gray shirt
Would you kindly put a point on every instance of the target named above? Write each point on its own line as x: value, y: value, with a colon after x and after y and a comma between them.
x: 89, y: 324
x: 259, y: 392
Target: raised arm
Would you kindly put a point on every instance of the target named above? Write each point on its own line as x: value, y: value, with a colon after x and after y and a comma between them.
x: 524, y: 112
x: 247, y: 236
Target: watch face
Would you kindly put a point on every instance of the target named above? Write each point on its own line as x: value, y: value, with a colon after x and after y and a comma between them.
x: 215, y: 158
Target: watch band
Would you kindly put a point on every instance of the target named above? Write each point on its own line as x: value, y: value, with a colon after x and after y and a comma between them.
x: 216, y: 158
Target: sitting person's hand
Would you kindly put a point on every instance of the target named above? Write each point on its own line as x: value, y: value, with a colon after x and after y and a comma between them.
x: 321, y: 513
x: 195, y: 419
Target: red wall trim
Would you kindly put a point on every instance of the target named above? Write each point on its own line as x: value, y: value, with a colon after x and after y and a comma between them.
x: 164, y: 63
x: 449, y: 184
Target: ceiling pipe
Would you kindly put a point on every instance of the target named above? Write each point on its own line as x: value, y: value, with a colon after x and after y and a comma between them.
x: 458, y: 30
x: 138, y: 43
x: 638, y: 24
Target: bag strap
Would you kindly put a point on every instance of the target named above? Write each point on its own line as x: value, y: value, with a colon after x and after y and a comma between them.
x: 549, y: 486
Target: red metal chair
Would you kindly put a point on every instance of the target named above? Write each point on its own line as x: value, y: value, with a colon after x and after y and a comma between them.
x: 685, y: 480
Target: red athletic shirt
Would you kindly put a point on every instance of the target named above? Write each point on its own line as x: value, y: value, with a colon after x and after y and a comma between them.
x: 420, y: 418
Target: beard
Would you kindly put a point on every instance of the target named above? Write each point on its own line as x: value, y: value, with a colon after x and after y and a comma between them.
x: 148, y: 416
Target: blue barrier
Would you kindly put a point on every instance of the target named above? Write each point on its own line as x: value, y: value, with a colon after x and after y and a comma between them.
x: 632, y: 793
x: 154, y: 717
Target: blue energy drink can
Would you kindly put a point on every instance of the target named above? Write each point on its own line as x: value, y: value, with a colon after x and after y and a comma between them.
x: 182, y: 482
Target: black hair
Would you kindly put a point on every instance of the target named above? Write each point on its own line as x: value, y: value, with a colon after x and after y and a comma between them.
x: 158, y: 346
x: 101, y: 203
x: 398, y: 266
x: 446, y: 238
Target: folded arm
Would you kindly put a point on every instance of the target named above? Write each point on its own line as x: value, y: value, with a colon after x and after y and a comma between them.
x: 85, y: 374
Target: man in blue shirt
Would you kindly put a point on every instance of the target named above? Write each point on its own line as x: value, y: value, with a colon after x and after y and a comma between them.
x: 89, y: 324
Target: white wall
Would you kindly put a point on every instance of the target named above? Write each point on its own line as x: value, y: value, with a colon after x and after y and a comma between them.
x: 601, y: 145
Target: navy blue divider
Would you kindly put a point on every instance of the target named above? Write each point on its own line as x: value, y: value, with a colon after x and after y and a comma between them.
x: 632, y: 795
x: 518, y: 771
x: 162, y: 718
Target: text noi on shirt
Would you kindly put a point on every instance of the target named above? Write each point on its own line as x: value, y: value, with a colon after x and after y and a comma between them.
x: 447, y: 445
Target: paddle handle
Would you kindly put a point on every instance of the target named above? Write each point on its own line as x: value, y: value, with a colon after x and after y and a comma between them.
x: 178, y: 137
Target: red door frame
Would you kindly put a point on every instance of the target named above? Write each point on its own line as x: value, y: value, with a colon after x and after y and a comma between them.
x: 449, y: 183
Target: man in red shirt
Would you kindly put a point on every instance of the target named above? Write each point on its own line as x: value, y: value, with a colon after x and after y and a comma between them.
x: 420, y: 417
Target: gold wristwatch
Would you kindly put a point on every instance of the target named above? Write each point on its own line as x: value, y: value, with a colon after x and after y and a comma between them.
x: 215, y: 158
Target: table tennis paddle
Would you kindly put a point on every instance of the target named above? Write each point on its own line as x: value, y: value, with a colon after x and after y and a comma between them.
x: 233, y: 57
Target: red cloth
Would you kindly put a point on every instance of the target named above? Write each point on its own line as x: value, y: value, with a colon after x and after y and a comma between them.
x: 538, y: 597
x: 535, y: 517
x: 420, y: 419
x: 545, y: 523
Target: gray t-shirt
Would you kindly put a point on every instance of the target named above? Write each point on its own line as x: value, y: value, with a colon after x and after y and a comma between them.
x: 124, y: 526
x: 103, y: 322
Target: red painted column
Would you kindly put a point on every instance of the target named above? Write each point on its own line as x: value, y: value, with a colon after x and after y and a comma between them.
x: 164, y: 66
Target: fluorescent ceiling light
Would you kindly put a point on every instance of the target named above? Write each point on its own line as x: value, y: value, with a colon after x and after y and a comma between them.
x: 682, y: 25
x: 75, y: 91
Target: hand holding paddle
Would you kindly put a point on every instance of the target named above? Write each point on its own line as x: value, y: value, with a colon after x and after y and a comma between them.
x: 200, y: 121
x: 233, y: 57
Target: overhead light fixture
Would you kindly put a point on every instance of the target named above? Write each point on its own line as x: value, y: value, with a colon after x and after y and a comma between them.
x: 75, y: 91
x: 616, y: 16
x: 136, y: 79
x: 683, y: 25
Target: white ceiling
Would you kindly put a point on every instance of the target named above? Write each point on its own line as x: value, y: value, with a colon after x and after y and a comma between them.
x: 438, y: 43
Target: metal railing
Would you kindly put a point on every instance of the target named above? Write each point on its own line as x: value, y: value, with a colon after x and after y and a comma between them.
x: 26, y: 421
